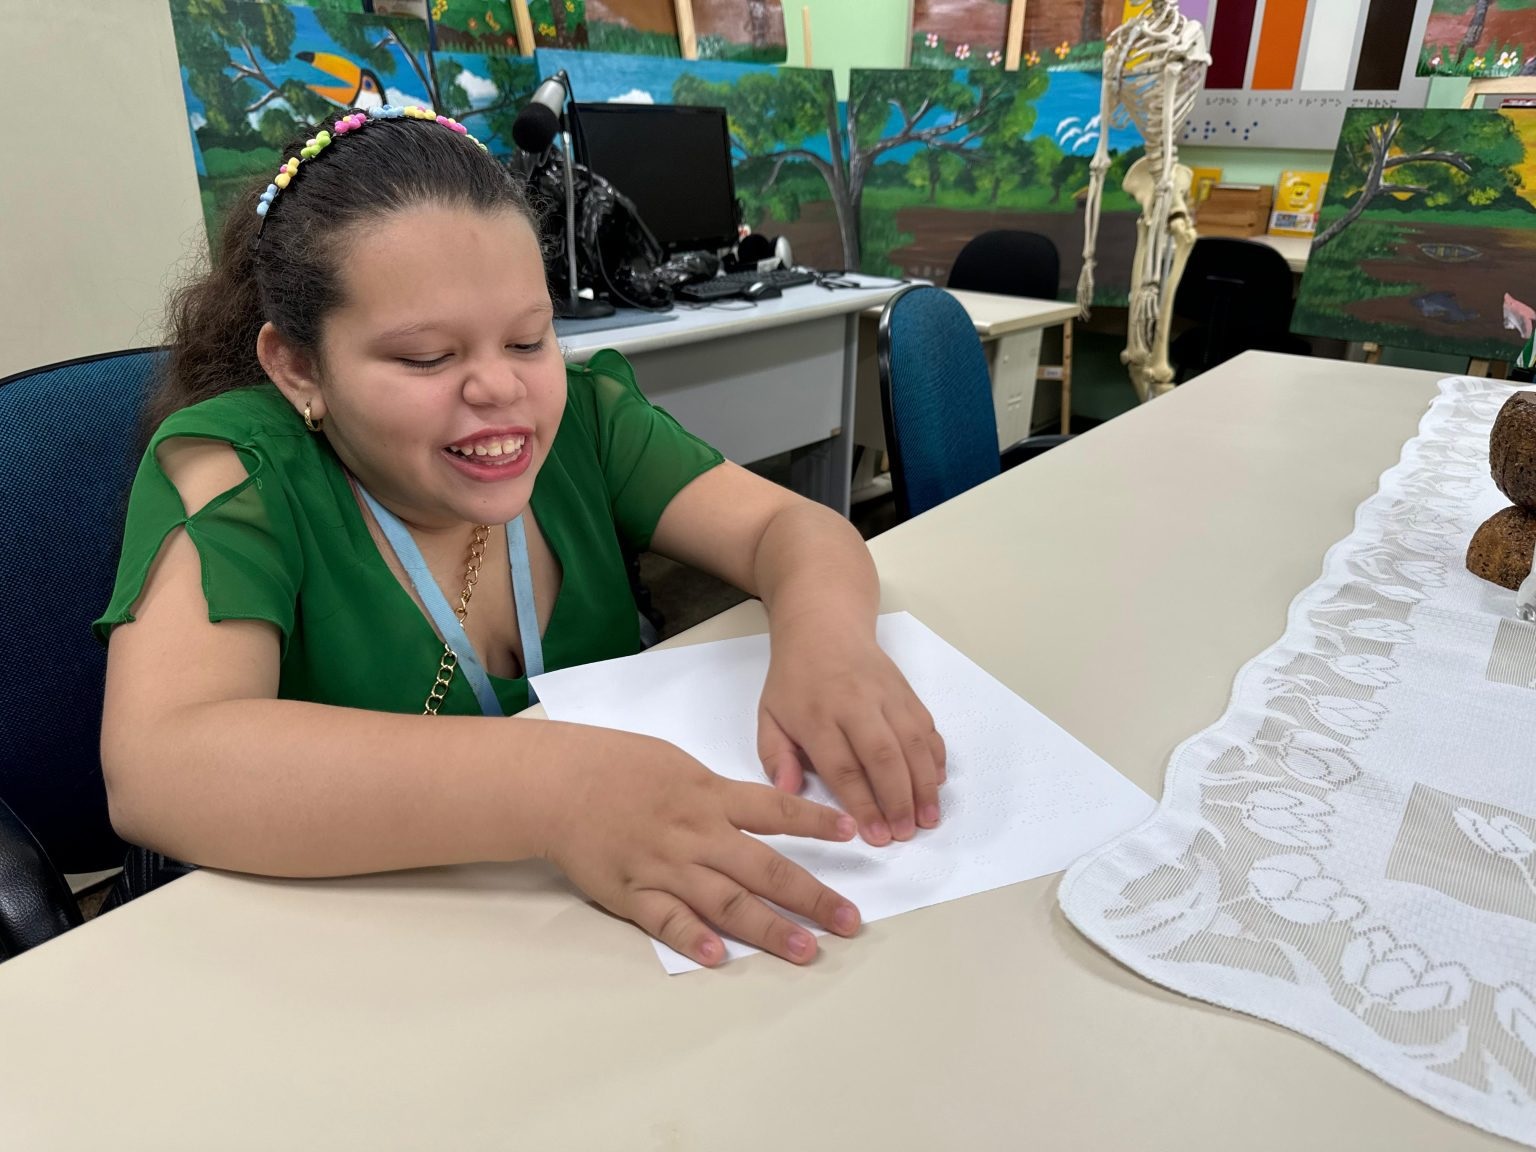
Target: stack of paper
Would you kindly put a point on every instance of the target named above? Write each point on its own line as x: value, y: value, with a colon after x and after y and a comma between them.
x: 1023, y: 799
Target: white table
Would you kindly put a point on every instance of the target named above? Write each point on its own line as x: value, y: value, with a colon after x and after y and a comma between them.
x: 759, y: 380
x: 1118, y: 583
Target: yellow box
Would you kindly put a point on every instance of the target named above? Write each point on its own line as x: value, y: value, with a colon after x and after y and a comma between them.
x: 1200, y: 185
x: 1298, y: 200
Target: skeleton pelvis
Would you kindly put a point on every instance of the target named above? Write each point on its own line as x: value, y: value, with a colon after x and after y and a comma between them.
x: 1141, y: 182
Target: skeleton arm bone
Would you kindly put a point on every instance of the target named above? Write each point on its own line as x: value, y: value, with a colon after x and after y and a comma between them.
x: 1114, y: 69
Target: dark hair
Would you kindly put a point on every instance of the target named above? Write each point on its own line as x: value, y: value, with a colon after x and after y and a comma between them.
x: 291, y: 277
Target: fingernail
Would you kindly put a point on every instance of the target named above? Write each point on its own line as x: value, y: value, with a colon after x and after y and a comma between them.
x: 846, y: 827
x: 799, y: 944
x: 878, y: 833
x: 905, y: 828
x: 845, y: 918
x: 709, y: 951
x: 930, y: 815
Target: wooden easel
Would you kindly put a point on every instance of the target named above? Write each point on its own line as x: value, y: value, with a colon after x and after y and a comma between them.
x: 1510, y: 86
x: 1476, y: 90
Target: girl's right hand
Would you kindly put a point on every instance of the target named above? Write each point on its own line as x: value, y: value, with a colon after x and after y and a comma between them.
x: 655, y: 837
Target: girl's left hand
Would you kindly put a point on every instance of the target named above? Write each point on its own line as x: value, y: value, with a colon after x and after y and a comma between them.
x: 837, y: 704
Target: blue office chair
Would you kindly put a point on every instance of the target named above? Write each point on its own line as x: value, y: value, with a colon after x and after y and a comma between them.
x: 936, y: 396
x: 71, y: 437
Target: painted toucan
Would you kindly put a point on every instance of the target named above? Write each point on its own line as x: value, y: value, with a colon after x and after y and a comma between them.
x: 360, y: 88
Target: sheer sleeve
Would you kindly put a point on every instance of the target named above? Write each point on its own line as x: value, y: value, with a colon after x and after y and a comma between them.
x: 246, y: 537
x: 646, y: 456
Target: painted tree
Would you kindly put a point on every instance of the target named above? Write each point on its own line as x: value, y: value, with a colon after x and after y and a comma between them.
x: 1475, y: 28
x: 760, y: 17
x: 226, y: 49
x: 930, y: 168
x: 776, y: 115
x: 1433, y: 148
x: 1093, y: 21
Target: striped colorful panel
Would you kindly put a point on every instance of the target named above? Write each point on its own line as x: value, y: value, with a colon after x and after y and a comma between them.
x: 1279, y: 44
x: 1231, y: 34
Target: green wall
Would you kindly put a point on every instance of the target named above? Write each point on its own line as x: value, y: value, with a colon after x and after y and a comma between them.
x: 849, y: 34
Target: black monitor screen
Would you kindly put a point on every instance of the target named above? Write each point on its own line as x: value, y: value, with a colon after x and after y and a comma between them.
x: 673, y: 161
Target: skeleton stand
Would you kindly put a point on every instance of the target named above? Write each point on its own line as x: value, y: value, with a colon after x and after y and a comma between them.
x: 1154, y: 67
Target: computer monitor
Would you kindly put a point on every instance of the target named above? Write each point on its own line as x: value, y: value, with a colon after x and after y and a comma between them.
x: 673, y: 161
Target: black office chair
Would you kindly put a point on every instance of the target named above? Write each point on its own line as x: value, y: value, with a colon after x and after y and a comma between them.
x: 936, y: 397
x: 69, y: 433
x: 1008, y: 262
x: 1238, y: 294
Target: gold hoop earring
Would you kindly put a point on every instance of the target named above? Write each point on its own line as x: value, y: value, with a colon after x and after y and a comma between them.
x: 310, y: 423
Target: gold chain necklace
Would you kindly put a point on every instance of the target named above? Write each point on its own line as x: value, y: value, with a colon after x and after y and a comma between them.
x: 450, y: 661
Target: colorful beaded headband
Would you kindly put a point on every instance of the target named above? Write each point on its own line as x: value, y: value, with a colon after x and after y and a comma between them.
x: 321, y: 140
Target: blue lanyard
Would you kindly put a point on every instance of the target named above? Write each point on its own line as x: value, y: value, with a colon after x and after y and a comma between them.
x: 447, y: 621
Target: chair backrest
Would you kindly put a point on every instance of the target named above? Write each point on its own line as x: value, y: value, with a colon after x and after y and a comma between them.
x: 1239, y: 293
x: 68, y: 440
x: 936, y: 397
x: 1009, y: 263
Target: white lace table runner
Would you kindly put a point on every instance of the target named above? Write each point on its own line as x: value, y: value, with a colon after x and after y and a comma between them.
x: 1350, y: 851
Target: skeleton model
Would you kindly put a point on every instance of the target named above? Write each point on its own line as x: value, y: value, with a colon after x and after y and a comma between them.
x: 1154, y: 66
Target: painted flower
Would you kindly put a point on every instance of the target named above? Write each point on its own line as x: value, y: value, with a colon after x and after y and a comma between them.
x: 1062, y: 50
x: 994, y: 57
x: 1500, y: 835
x: 474, y: 24
x: 570, y: 5
x: 1285, y: 817
x: 1032, y: 59
x: 1400, y: 975
x: 932, y: 39
x: 1434, y: 61
x: 1294, y: 887
x: 962, y: 51
x: 1478, y: 62
x: 1315, y: 759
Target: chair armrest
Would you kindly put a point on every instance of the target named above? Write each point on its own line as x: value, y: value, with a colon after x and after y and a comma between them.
x: 35, y: 903
x: 1028, y: 449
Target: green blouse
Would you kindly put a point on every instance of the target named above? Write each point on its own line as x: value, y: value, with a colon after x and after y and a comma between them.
x: 289, y: 544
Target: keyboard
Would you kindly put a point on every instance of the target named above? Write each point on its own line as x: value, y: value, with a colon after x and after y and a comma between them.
x: 734, y: 284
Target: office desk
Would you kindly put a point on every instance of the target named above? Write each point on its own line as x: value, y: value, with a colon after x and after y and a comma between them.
x: 759, y: 380
x: 1118, y: 583
x: 1010, y: 328
x: 1295, y: 249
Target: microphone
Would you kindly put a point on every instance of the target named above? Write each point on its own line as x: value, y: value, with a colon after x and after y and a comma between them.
x: 538, y: 123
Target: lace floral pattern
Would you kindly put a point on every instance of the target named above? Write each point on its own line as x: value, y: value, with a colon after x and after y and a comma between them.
x: 1350, y: 851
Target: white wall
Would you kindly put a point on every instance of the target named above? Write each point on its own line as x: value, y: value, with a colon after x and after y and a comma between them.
x: 99, y: 208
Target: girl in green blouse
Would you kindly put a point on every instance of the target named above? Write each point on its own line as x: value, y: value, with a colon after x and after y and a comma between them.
x: 378, y: 499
